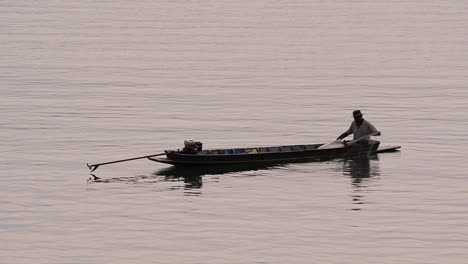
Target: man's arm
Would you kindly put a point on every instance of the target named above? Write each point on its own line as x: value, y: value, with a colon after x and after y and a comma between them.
x: 345, y: 134
x: 374, y: 130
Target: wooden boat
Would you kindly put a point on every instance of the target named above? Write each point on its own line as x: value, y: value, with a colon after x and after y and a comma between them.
x: 192, y: 154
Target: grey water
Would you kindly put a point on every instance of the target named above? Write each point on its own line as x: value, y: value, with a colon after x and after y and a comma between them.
x: 95, y: 81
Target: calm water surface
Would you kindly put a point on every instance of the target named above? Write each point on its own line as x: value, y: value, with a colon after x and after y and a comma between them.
x: 87, y: 81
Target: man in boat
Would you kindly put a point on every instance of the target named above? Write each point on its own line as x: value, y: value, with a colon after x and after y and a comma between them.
x: 361, y: 130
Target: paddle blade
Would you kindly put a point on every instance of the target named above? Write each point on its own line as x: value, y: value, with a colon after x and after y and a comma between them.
x: 92, y: 167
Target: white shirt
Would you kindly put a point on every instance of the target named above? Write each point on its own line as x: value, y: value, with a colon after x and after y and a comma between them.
x: 365, y: 129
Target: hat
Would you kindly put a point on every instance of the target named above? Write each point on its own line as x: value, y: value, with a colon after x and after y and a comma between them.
x: 357, y: 113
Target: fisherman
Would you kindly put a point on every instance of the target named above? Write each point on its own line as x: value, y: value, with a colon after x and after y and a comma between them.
x: 361, y: 129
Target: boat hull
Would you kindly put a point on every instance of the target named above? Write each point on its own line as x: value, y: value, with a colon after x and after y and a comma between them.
x: 297, y: 153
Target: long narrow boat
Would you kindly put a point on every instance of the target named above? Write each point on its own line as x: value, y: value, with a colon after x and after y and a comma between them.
x: 192, y: 154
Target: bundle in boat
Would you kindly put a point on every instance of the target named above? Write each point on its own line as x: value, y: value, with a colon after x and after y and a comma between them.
x: 332, y: 145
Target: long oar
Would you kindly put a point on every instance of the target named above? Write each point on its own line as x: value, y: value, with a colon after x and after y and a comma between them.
x: 93, y: 167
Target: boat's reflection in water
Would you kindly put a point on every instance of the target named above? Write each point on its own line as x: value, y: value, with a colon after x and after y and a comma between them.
x: 359, y: 169
x: 197, y: 171
x: 192, y: 175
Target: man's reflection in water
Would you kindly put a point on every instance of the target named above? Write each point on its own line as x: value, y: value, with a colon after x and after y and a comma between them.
x: 361, y: 170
